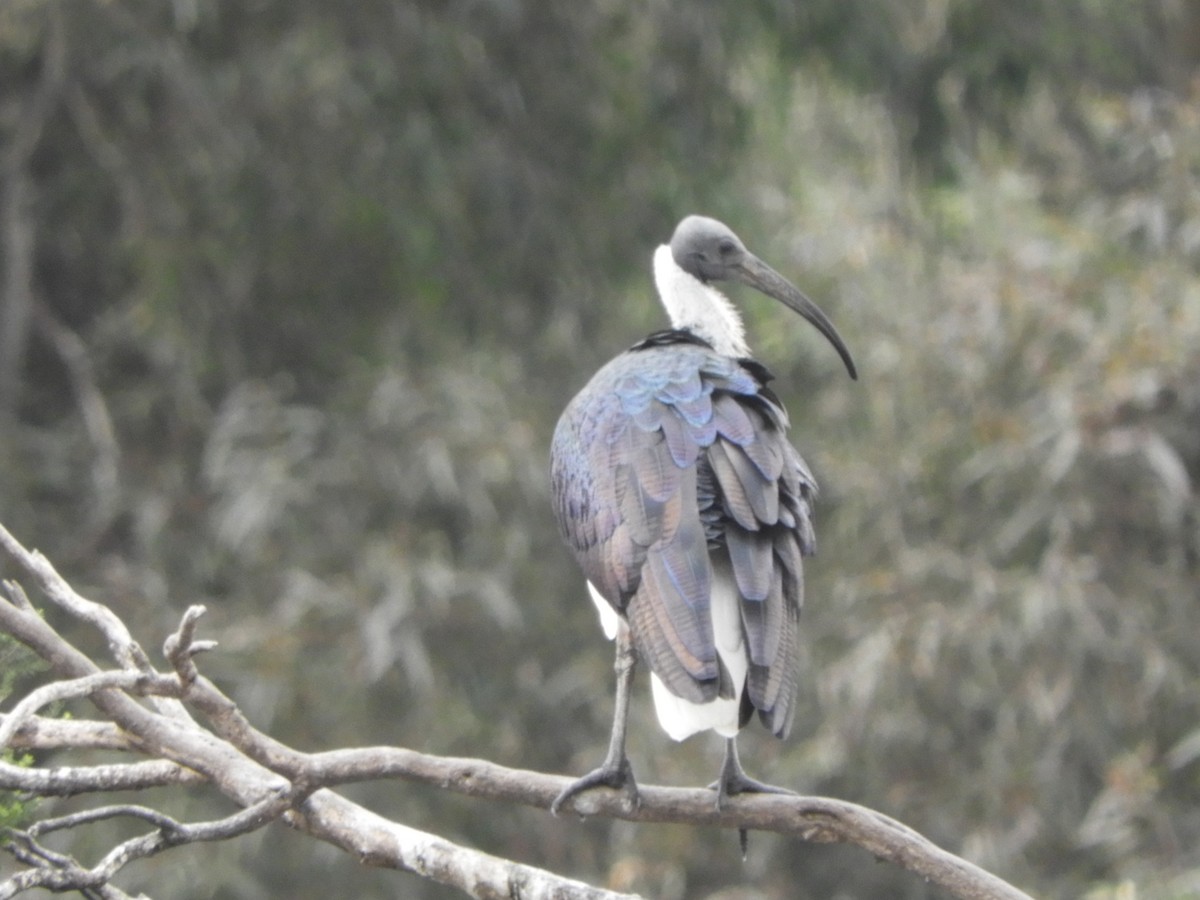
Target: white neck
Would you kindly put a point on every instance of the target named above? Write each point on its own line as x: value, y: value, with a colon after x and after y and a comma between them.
x: 697, y: 307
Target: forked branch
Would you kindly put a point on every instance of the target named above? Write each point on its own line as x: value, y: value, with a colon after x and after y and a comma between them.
x: 270, y: 781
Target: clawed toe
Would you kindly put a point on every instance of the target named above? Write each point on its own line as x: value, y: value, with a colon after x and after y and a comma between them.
x: 734, y: 780
x: 618, y: 777
x: 740, y: 783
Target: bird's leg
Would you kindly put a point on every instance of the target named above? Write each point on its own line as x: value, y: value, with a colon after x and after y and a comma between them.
x: 615, y: 771
x: 734, y: 780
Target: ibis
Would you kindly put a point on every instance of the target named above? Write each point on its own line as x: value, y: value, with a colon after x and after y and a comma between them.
x: 690, y: 512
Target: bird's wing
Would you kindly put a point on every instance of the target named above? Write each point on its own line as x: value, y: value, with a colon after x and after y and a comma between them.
x: 641, y: 507
x: 762, y: 512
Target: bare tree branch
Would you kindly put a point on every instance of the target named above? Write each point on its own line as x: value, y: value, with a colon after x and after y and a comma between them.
x: 169, y: 833
x: 376, y: 841
x: 52, y: 870
x: 814, y: 819
x: 124, y: 649
x: 325, y: 815
x: 67, y: 781
x: 137, y: 682
x: 273, y: 781
x: 37, y: 733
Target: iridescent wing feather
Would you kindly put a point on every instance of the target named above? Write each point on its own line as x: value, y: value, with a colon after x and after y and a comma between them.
x: 673, y: 453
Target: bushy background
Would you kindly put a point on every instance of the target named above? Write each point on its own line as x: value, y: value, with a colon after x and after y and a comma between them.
x: 294, y: 292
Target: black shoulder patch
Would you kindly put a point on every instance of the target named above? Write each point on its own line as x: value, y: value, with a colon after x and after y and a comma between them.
x: 763, y: 376
x: 760, y: 372
x: 670, y: 336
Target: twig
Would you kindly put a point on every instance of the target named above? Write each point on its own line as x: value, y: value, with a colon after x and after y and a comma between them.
x: 127, y: 652
x: 17, y: 595
x: 89, y: 816
x: 59, y: 872
x: 124, y: 649
x: 137, y: 682
x: 182, y: 646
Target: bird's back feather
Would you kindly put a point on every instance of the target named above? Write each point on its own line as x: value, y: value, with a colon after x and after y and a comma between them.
x: 671, y: 458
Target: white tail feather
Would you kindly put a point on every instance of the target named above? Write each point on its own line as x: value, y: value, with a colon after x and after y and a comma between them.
x: 681, y: 718
x: 609, y: 620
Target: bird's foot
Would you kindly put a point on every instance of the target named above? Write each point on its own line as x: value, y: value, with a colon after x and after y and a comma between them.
x: 734, y: 780
x: 738, y: 782
x: 618, y: 776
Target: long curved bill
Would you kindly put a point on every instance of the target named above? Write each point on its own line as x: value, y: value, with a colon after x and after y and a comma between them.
x: 756, y: 273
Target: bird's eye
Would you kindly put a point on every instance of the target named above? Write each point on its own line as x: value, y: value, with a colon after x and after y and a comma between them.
x: 726, y: 247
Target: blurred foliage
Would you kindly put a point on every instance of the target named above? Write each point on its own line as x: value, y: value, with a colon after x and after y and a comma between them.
x: 949, y: 71
x: 1010, y: 564
x: 336, y: 268
x: 17, y: 668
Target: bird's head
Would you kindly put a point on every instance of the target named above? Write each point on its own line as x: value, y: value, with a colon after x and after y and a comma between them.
x: 709, y: 251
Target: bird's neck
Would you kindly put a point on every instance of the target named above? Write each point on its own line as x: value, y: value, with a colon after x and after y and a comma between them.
x: 698, y: 307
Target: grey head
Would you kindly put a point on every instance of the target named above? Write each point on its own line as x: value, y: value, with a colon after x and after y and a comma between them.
x: 709, y: 251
